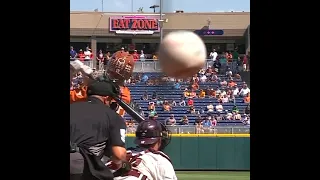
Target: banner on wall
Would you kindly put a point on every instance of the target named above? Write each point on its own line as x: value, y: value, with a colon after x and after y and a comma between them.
x: 135, y: 25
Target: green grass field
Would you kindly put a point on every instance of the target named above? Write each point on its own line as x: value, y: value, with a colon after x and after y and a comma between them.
x: 212, y: 175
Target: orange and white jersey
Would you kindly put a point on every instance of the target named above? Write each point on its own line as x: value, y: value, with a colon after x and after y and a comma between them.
x: 147, y: 165
x: 125, y: 96
x: 78, y: 95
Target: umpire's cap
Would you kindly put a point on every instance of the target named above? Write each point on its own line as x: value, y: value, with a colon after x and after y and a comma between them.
x: 103, y: 87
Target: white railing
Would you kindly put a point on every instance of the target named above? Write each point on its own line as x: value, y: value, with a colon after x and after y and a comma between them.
x: 150, y: 65
x: 191, y: 129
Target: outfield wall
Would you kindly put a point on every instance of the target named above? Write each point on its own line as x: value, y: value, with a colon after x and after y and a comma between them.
x: 208, y: 151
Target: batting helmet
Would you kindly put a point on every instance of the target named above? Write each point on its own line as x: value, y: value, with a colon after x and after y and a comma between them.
x: 120, y: 66
x: 150, y: 131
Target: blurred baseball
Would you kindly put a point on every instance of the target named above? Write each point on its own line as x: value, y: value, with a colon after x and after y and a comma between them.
x: 182, y: 54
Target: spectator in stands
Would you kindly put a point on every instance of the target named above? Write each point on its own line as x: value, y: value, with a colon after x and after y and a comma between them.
x: 203, y: 78
x: 144, y: 78
x: 229, y: 73
x: 247, y: 109
x: 135, y: 55
x: 202, y: 94
x: 191, y: 110
x: 217, y: 66
x: 225, y: 99
x: 73, y: 53
x: 190, y: 102
x: 171, y: 120
x: 176, y: 85
x: 138, y: 77
x: 229, y: 116
x: 189, y: 94
x: 213, y: 55
x: 232, y: 98
x: 214, y: 122
x: 195, y: 86
x: 223, y: 61
x: 100, y: 60
x: 151, y: 106
x: 209, y: 71
x: 166, y: 106
x: 235, y: 109
x: 207, y: 124
x: 223, y: 92
x: 219, y: 107
x: 132, y: 81
x: 219, y: 117
x: 231, y: 83
x: 223, y: 83
x: 172, y: 103
x: 237, y: 76
x: 150, y: 82
x: 212, y: 93
x: 236, y: 116
x: 182, y: 102
x: 218, y: 91
x: 107, y: 59
x: 130, y: 126
x: 246, y: 120
x: 198, y: 123
x: 142, y: 56
x: 153, y: 113
x: 145, y: 96
x: 229, y: 57
x: 214, y: 78
x: 155, y: 56
x: 202, y: 71
x: 81, y: 55
x: 154, y: 95
x: 246, y: 99
x: 195, y: 79
x: 210, y: 108
x: 87, y: 54
x: 184, y: 120
x: 159, y: 101
x: 244, y: 91
x: 236, y: 91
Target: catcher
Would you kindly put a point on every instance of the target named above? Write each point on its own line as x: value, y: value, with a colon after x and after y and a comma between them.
x: 119, y: 69
x: 147, y: 160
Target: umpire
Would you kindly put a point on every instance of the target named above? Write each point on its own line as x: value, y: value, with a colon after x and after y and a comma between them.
x: 95, y: 130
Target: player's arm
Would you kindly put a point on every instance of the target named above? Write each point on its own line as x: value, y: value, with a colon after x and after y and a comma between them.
x: 117, y: 138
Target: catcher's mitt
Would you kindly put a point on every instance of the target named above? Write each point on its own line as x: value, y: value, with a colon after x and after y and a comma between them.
x: 120, y: 66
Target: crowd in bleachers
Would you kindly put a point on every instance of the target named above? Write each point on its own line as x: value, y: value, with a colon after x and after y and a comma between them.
x: 213, y: 97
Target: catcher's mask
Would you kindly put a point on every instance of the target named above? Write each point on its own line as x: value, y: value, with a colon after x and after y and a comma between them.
x: 150, y: 131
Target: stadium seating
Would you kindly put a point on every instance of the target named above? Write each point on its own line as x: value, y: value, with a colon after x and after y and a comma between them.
x: 167, y: 93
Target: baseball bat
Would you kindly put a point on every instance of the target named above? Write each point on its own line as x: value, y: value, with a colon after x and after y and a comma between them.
x: 134, y: 114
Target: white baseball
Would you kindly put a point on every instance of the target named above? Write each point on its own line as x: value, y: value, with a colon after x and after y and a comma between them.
x: 182, y: 54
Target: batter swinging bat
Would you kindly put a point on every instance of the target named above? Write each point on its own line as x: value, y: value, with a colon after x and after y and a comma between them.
x: 76, y: 66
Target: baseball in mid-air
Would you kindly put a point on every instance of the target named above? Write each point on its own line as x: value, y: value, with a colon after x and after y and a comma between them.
x: 182, y: 54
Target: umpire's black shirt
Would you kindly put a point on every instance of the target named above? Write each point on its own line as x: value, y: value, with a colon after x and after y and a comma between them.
x: 94, y: 127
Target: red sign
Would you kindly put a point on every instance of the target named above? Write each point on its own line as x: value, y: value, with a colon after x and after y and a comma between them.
x: 141, y: 23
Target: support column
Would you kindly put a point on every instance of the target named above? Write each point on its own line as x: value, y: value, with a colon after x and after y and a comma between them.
x: 94, y: 50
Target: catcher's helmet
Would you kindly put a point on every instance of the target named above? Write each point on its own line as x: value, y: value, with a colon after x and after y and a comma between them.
x: 120, y: 66
x: 150, y: 131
